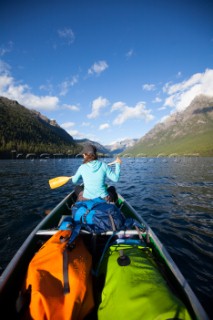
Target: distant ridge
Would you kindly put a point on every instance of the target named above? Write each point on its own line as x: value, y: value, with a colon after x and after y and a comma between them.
x: 189, y: 132
x: 120, y: 146
x: 100, y: 148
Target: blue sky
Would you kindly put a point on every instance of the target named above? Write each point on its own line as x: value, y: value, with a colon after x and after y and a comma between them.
x: 106, y: 70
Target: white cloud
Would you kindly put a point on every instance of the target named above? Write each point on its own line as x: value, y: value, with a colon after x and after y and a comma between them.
x: 64, y: 86
x: 4, y: 68
x: 126, y: 113
x: 179, y: 74
x: 104, y: 126
x: 67, y: 34
x: 67, y: 125
x: 118, y: 106
x: 5, y: 83
x: 5, y: 49
x: 164, y: 118
x: 181, y: 94
x: 85, y: 124
x: 71, y: 107
x: 79, y: 135
x: 34, y: 102
x: 173, y: 88
x: 129, y: 53
x: 162, y: 108
x: 157, y: 100
x: 97, y: 105
x: 149, y: 87
x: 47, y: 87
x: 21, y: 92
x: 170, y: 101
x: 76, y: 134
x: 98, y: 67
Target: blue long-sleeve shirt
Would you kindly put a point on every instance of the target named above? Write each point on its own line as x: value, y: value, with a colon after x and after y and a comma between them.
x: 94, y: 174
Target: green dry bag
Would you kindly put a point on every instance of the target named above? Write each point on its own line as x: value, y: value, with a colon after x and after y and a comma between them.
x: 137, y: 290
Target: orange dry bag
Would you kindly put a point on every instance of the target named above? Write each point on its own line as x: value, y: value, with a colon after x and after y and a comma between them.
x: 60, y: 280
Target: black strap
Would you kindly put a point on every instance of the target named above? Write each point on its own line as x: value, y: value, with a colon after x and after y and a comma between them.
x: 65, y: 272
x: 73, y: 236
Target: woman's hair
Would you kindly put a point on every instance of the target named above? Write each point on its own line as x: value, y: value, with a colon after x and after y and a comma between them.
x: 89, y: 157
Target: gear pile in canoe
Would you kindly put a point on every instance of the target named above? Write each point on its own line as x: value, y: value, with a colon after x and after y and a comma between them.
x: 95, y: 260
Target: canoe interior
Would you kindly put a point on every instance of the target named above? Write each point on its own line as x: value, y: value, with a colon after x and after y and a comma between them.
x: 13, y: 277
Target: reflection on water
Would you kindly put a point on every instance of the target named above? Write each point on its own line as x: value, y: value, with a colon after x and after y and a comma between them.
x: 174, y: 196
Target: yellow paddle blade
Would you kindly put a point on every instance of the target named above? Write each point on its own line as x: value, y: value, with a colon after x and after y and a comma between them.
x: 58, y: 182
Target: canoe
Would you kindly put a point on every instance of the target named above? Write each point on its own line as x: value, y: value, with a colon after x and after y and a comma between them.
x: 133, y: 274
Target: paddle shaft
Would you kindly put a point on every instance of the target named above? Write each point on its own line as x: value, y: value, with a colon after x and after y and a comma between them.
x: 111, y: 163
x: 60, y: 181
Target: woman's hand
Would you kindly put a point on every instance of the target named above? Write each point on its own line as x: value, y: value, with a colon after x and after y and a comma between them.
x: 118, y: 160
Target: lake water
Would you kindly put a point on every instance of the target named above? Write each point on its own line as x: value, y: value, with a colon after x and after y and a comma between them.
x: 173, y: 195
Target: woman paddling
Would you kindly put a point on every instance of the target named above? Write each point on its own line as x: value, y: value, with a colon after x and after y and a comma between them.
x: 94, y: 173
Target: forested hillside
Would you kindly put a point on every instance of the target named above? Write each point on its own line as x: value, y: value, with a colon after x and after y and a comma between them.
x: 27, y: 131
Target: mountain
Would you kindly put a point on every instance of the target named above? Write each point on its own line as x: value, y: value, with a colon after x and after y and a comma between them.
x: 189, y: 132
x: 24, y: 130
x: 100, y: 148
x: 112, y: 149
x: 184, y: 133
x: 120, y: 146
